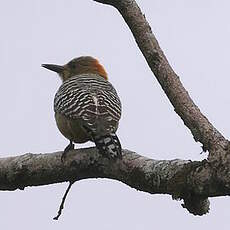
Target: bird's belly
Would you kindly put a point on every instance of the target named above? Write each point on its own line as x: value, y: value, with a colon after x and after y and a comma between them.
x: 71, y: 128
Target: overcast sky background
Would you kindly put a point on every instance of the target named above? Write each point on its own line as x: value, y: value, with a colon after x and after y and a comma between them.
x: 195, y: 37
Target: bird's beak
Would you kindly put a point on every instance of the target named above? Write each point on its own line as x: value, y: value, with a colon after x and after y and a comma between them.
x: 55, y: 68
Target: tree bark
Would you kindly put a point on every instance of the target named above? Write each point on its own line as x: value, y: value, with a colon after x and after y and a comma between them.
x: 182, y: 179
x: 191, y: 181
x: 202, y: 130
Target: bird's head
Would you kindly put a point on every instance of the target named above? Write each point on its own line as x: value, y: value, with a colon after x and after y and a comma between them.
x: 77, y: 66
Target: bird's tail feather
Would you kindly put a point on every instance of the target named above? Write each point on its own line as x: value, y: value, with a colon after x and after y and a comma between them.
x: 109, y: 145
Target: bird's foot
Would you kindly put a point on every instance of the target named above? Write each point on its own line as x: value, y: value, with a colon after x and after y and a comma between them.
x: 69, y: 147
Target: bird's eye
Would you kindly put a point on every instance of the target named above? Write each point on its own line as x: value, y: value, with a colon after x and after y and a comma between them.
x: 72, y: 65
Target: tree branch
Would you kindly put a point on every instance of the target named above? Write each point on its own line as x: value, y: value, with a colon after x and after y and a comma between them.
x: 191, y: 181
x: 182, y: 179
x: 203, y: 176
x: 202, y: 130
x: 63, y: 201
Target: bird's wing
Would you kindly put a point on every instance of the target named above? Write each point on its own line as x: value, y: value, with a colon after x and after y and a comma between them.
x: 95, y: 101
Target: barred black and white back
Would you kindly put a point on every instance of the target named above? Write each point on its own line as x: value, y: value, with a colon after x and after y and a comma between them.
x: 94, y: 101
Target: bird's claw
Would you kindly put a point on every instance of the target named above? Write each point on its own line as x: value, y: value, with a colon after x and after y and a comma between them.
x: 68, y: 148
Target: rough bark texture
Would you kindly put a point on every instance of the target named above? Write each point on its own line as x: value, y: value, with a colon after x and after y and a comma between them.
x: 191, y: 181
x: 179, y: 178
x: 202, y: 130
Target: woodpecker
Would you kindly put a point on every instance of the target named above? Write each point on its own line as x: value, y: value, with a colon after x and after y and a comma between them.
x: 86, y: 106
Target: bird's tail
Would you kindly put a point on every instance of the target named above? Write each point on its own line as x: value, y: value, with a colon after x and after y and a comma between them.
x: 109, y: 145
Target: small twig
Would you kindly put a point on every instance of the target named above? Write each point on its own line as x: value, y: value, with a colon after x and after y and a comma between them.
x: 63, y: 200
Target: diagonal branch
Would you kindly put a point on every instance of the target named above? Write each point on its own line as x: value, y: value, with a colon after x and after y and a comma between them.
x: 202, y: 130
x: 192, y: 181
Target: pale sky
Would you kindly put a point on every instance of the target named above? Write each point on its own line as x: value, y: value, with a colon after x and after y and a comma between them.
x: 195, y: 37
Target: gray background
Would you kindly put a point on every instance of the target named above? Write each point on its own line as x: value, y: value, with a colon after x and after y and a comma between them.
x: 195, y: 37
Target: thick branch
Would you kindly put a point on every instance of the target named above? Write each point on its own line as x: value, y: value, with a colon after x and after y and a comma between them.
x: 191, y: 181
x: 181, y: 179
x: 202, y: 130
